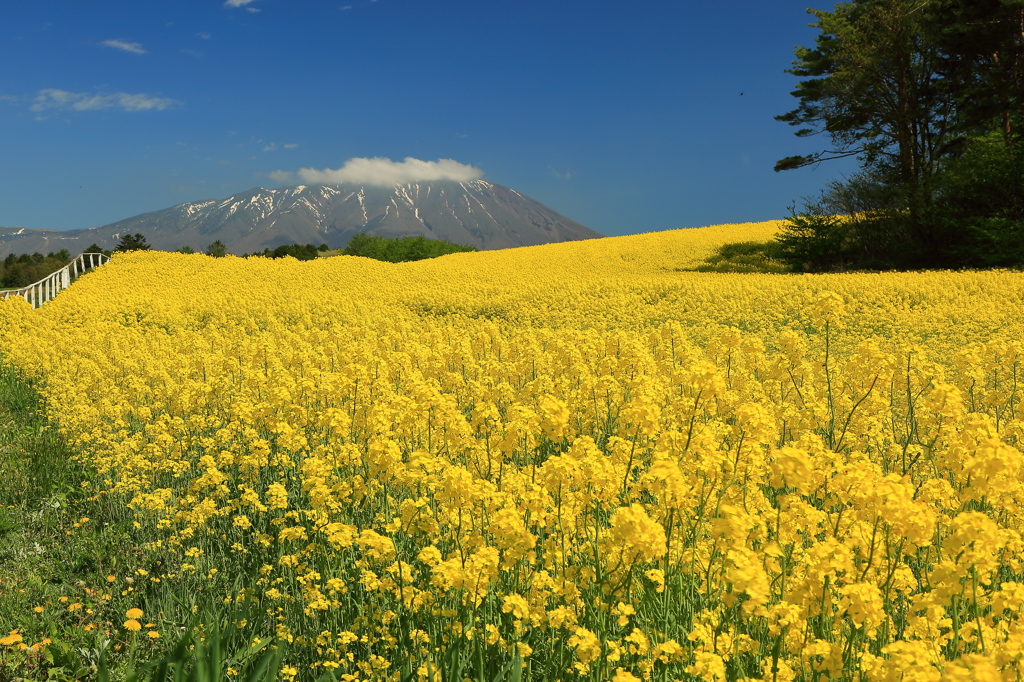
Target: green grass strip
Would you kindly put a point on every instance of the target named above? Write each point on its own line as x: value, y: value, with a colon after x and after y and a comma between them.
x: 66, y: 562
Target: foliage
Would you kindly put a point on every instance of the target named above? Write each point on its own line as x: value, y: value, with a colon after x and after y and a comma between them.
x: 215, y: 647
x: 982, y: 47
x: 21, y: 270
x: 400, y: 249
x: 133, y: 242
x: 296, y: 251
x: 65, y: 578
x: 94, y: 248
x: 979, y: 206
x: 572, y: 457
x: 217, y: 249
x: 746, y: 257
x: 976, y: 213
x: 918, y: 91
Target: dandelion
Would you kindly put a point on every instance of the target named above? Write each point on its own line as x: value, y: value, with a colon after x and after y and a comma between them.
x: 11, y: 638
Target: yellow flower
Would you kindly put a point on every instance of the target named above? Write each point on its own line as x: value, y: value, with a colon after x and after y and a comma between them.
x: 624, y: 676
x: 132, y: 625
x: 133, y: 613
x: 11, y: 639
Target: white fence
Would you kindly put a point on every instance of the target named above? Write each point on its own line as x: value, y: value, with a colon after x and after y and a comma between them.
x: 56, y: 282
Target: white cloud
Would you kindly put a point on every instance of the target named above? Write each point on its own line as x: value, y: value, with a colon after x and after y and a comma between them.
x: 388, y: 173
x: 237, y: 3
x: 53, y: 98
x: 270, y: 147
x: 280, y: 176
x: 291, y: 146
x: 134, y: 48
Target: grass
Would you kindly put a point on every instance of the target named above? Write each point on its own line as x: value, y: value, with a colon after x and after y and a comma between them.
x: 70, y: 569
x: 67, y: 563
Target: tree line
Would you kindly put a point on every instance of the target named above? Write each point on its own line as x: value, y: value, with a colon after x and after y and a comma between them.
x: 928, y: 96
x: 400, y: 249
x: 24, y: 269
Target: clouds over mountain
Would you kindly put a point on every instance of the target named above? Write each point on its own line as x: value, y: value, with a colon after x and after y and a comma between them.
x: 382, y: 172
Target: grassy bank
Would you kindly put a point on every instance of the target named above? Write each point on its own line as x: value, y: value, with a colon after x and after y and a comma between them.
x: 76, y: 602
x: 68, y: 569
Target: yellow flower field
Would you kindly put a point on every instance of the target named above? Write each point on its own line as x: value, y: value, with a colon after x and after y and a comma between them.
x: 581, y: 457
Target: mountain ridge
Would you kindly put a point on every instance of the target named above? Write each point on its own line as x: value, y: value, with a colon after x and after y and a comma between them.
x: 475, y: 212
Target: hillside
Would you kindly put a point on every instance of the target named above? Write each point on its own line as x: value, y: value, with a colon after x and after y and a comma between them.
x: 476, y: 213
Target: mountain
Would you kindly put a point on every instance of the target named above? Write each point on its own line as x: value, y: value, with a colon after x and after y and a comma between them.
x: 476, y: 212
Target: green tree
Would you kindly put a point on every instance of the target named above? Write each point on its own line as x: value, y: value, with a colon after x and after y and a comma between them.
x: 871, y: 87
x: 982, y: 43
x: 133, y: 242
x: 95, y: 248
x: 217, y: 249
x: 400, y: 249
x: 906, y: 87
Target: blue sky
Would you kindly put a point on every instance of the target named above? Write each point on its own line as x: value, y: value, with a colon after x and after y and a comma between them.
x: 626, y: 116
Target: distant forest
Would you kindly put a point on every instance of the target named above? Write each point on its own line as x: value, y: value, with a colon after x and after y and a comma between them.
x: 24, y: 269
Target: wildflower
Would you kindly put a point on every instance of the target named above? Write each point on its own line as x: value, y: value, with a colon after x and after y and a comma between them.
x: 277, y: 496
x: 708, y: 666
x: 624, y: 676
x: 12, y: 638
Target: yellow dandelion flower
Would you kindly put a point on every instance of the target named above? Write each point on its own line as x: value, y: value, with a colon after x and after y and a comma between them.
x: 11, y: 639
